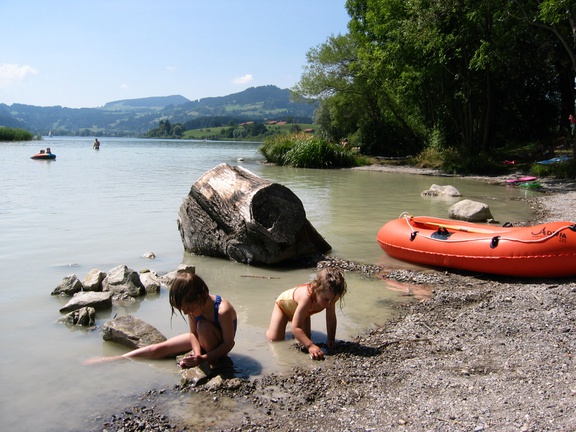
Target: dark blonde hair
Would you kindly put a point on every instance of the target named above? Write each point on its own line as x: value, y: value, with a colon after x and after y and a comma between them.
x: 329, y: 279
x: 187, y: 287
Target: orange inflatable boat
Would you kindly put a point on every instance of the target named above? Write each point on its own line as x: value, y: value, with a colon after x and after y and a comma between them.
x: 546, y: 250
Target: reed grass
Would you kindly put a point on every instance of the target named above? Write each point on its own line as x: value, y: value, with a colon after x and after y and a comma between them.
x: 307, y: 151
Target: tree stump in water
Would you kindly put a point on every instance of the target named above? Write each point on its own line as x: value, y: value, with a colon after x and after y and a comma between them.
x: 231, y: 212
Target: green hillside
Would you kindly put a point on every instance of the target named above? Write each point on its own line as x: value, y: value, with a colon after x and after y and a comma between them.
x: 135, y: 117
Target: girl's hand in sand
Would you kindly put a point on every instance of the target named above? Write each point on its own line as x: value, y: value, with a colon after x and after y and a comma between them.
x: 315, y: 353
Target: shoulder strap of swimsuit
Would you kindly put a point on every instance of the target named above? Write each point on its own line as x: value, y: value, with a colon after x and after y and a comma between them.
x: 216, y: 308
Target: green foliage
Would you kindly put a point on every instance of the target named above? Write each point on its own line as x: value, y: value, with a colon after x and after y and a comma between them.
x: 166, y: 130
x: 306, y: 151
x: 561, y: 170
x: 253, y: 131
x: 473, y: 76
x: 456, y: 161
x: 15, y: 134
x: 430, y: 157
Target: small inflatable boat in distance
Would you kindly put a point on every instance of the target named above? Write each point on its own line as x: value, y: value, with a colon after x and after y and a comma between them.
x: 545, y: 250
x: 44, y: 156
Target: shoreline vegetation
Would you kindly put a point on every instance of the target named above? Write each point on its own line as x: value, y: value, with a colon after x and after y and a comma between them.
x: 475, y: 352
x: 14, y: 134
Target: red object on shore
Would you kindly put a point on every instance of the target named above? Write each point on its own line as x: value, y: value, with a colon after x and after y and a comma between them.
x: 545, y: 250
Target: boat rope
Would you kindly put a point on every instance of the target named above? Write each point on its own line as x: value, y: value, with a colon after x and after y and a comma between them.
x: 494, y: 241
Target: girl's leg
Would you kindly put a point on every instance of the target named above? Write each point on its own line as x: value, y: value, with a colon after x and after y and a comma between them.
x: 277, y: 328
x: 209, y: 335
x: 172, y: 347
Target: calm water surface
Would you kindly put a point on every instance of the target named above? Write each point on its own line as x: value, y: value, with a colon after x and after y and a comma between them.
x: 99, y: 209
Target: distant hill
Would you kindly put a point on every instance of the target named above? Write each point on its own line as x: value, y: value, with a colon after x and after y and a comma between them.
x: 135, y: 117
x: 157, y: 103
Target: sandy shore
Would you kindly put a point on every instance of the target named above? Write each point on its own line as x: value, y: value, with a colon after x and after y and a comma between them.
x: 484, y: 353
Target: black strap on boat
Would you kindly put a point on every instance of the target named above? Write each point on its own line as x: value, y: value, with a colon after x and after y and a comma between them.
x: 573, y: 228
x: 494, y: 242
x: 413, y: 235
x: 507, y: 225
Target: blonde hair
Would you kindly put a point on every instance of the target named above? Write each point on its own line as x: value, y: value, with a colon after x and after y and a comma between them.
x: 329, y: 279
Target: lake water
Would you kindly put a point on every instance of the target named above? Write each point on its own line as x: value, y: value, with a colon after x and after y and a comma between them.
x: 99, y: 209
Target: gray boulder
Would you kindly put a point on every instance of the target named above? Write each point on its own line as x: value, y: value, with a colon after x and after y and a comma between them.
x: 470, y: 211
x: 97, y: 300
x: 168, y: 278
x: 123, y: 281
x: 447, y: 190
x: 81, y: 317
x: 131, y: 332
x: 93, y: 280
x: 150, y: 281
x: 69, y: 286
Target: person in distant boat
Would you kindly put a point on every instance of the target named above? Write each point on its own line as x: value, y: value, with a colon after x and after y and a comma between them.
x: 41, y: 151
x: 298, y: 304
x: 48, y: 151
x: 572, y: 120
x: 212, y: 320
x: 96, y: 144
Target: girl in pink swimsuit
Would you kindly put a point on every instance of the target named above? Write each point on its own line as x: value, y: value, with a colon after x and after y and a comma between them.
x: 298, y: 304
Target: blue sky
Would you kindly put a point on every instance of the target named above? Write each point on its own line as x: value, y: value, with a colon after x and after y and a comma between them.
x: 80, y: 53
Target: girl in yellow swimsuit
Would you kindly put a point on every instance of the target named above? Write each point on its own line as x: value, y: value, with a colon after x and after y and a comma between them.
x: 298, y: 304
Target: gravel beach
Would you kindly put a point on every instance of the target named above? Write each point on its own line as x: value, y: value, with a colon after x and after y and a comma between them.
x: 481, y: 353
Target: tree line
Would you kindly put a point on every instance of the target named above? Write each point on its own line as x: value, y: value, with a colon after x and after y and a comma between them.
x: 461, y: 74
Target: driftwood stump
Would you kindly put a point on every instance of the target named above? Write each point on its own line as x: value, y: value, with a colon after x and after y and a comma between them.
x: 231, y: 212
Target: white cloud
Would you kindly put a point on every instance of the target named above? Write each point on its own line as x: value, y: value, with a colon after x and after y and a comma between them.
x: 11, y: 74
x: 243, y: 79
x: 124, y: 86
x: 171, y: 68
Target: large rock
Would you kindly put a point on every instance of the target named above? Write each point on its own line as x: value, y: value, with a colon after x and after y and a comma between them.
x: 168, y: 278
x: 231, y: 212
x: 81, y: 317
x: 93, y: 280
x: 437, y: 190
x: 150, y: 281
x: 97, y: 300
x: 123, y: 281
x: 69, y: 286
x: 470, y: 211
x: 131, y: 332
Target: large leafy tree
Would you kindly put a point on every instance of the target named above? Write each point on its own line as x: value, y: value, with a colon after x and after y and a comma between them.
x: 468, y: 74
x: 559, y: 18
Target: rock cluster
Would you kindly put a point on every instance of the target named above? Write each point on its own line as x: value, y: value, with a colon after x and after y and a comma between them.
x: 98, y: 290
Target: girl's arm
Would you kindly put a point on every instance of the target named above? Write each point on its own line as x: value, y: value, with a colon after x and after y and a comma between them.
x: 192, y: 359
x: 331, y: 323
x: 194, y: 342
x: 298, y: 322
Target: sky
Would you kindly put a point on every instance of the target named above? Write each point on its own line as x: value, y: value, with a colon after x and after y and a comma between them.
x: 85, y: 53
